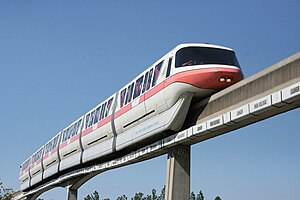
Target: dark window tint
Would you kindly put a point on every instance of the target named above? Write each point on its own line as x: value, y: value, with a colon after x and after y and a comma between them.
x: 203, y: 55
x: 145, y: 82
x: 122, y: 97
x: 156, y: 73
x: 56, y: 141
x: 87, y: 121
x: 129, y: 93
x: 138, y: 87
x: 91, y: 119
x: 109, y: 104
x: 37, y: 156
x: 72, y: 131
x: 78, y: 126
x: 25, y: 164
x: 52, y: 144
x: 97, y: 115
x: 169, y: 67
x: 149, y: 79
x: 69, y: 132
x: 103, y: 110
x: 65, y: 135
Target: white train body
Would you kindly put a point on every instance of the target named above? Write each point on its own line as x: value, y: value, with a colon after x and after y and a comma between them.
x: 70, y: 149
x: 157, y: 100
x: 24, y: 176
x: 97, y: 135
x: 36, y: 167
x: 51, y: 157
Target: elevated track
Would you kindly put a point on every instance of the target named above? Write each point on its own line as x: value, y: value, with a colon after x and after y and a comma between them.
x: 268, y: 93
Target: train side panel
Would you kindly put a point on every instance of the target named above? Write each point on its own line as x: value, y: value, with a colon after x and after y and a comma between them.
x: 70, y: 147
x: 97, y: 135
x: 130, y: 107
x: 36, y: 167
x: 154, y: 98
x: 159, y: 117
x: 51, y: 157
x: 24, y: 176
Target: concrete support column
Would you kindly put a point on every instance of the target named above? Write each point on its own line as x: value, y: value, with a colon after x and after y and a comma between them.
x: 178, y: 173
x: 71, y: 193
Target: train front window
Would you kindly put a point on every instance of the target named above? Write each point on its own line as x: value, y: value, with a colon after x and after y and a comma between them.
x: 203, y: 55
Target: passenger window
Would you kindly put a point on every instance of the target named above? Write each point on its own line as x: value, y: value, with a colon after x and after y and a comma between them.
x: 52, y: 144
x: 77, y: 127
x: 69, y: 133
x: 57, y: 140
x: 145, y: 82
x: 65, y: 135
x: 73, y: 130
x: 156, y: 73
x: 97, y: 115
x: 169, y: 67
x: 138, y: 87
x: 103, y: 110
x: 91, y: 119
x: 109, y: 104
x: 129, y: 93
x: 49, y: 146
x: 122, y: 98
x: 87, y: 121
x: 149, y: 79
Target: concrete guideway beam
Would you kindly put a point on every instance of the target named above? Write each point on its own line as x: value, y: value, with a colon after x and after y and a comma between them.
x: 178, y: 173
x: 74, y: 184
x: 71, y: 193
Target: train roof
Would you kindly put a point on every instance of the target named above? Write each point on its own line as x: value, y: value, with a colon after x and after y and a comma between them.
x: 201, y: 45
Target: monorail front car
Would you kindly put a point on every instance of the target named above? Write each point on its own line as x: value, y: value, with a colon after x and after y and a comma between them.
x: 155, y: 101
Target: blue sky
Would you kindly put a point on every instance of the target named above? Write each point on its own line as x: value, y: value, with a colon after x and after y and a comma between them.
x: 58, y: 59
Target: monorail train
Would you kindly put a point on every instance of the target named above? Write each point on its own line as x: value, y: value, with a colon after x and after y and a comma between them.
x: 157, y: 100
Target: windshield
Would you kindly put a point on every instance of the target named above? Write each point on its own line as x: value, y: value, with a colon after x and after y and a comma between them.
x: 203, y: 55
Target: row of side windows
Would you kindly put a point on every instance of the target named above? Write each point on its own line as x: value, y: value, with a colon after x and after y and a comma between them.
x: 141, y: 85
x: 37, y: 156
x: 71, y: 131
x: 51, y: 145
x: 98, y: 114
x: 25, y: 165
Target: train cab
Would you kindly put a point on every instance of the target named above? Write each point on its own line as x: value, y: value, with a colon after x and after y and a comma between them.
x: 201, y: 69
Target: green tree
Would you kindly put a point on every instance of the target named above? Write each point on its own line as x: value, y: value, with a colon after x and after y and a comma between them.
x: 94, y: 196
x: 138, y: 196
x: 151, y: 197
x: 192, y: 196
x: 122, y: 198
x: 162, y: 194
x: 5, y: 193
x: 218, y: 198
x: 200, y: 196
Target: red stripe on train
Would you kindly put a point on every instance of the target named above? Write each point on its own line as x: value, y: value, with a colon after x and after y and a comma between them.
x: 123, y: 110
x: 87, y: 131
x: 207, y: 78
